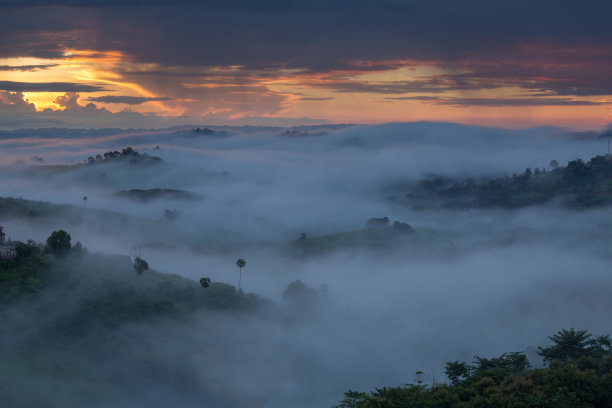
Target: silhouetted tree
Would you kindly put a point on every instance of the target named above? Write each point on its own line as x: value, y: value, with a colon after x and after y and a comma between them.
x: 457, y: 371
x: 513, y: 361
x: 240, y: 263
x: 58, y: 242
x: 577, y: 170
x: 205, y: 282
x: 140, y: 265
x: 418, y: 377
x: 572, y: 344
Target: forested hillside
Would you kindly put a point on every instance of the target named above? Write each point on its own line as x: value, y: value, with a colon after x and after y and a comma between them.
x: 578, y: 185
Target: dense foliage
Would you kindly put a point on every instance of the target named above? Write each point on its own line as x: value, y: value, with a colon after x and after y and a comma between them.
x: 578, y: 184
x: 103, y: 290
x: 26, y: 274
x: 574, y: 344
x: 58, y: 243
x: 84, y: 327
x: 579, y: 375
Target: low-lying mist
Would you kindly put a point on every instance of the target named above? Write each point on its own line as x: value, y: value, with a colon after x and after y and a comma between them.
x: 466, y: 282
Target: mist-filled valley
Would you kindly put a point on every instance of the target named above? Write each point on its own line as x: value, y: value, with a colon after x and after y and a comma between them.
x: 372, y: 252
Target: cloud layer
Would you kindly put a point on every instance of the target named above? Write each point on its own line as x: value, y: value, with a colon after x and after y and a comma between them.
x: 280, y: 59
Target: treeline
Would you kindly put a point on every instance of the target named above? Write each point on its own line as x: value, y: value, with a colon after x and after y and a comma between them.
x: 578, y: 184
x: 128, y: 153
x: 579, y: 374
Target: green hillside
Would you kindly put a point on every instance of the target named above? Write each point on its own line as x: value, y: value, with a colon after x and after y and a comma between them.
x: 105, y: 291
x: 578, y: 185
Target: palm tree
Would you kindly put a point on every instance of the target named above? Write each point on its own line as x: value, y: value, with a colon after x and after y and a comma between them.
x: 205, y: 282
x: 240, y: 263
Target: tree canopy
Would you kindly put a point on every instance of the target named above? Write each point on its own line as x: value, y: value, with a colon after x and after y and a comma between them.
x: 140, y: 265
x: 58, y: 242
x: 573, y: 344
x: 580, y: 376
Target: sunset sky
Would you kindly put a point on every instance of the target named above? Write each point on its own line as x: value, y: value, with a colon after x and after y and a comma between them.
x: 154, y: 63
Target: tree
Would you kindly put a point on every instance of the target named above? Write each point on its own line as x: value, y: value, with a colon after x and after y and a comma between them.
x: 58, y: 242
x: 300, y: 296
x: 205, y: 282
x: 573, y: 344
x: 553, y: 164
x: 577, y: 171
x: 240, y: 263
x: 353, y: 399
x: 78, y: 248
x: 514, y: 361
x: 140, y: 265
x: 418, y: 377
x: 497, y: 367
x: 457, y: 371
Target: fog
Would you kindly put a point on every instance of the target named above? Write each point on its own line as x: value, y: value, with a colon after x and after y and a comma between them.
x: 466, y: 282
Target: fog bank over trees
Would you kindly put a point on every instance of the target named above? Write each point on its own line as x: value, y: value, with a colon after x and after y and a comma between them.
x: 357, y: 273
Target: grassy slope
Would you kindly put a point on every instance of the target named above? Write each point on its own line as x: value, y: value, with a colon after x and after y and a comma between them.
x: 40, y: 211
x: 103, y: 291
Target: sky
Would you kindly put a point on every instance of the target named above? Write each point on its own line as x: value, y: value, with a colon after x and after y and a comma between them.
x: 148, y: 64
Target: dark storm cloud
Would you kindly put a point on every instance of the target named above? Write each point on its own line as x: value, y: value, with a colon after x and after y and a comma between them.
x: 498, y: 102
x: 128, y: 100
x: 47, y: 87
x: 490, y: 40
x: 311, y: 35
x: 585, y: 73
